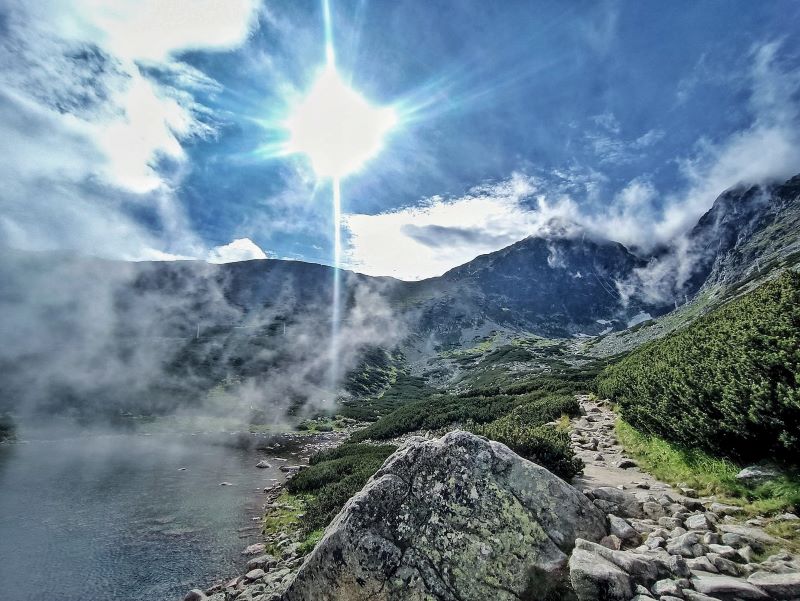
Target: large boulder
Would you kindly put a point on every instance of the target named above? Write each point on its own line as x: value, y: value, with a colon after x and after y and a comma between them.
x: 454, y: 519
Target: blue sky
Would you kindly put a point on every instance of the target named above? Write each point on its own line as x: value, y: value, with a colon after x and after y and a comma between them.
x: 146, y: 129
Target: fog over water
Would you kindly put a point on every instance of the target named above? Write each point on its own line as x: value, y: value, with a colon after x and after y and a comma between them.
x: 100, y: 517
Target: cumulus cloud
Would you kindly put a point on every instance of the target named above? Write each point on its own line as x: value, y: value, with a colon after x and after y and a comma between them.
x: 438, y: 234
x: 94, y: 139
x: 241, y: 249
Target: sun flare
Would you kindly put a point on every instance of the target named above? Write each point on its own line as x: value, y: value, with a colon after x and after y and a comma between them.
x: 336, y: 127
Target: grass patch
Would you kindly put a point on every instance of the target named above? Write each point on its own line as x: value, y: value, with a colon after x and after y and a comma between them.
x: 707, y: 474
x: 287, y: 516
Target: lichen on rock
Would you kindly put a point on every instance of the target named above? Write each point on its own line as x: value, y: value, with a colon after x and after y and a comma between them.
x: 454, y: 519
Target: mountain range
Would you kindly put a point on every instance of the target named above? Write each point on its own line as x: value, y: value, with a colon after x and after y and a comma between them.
x: 174, y: 330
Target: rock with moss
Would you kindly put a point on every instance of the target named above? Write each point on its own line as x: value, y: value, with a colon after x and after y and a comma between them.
x: 454, y: 519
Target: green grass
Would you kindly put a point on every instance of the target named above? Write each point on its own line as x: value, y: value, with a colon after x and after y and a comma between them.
x: 708, y: 475
x: 284, y: 519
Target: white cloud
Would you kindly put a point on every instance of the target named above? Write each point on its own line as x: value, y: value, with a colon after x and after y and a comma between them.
x: 241, y: 249
x: 84, y: 128
x: 428, y: 239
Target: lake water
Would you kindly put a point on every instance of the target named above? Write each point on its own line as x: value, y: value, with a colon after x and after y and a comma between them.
x: 100, y: 518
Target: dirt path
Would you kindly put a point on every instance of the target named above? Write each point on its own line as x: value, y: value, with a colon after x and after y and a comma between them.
x: 606, y: 464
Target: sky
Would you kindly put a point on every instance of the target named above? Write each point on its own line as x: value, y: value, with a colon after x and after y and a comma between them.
x: 156, y: 129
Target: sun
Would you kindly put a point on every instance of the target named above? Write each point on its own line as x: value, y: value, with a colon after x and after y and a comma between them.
x: 336, y: 127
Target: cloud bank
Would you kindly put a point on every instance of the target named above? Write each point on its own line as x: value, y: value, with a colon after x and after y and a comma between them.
x: 92, y: 139
x: 438, y: 234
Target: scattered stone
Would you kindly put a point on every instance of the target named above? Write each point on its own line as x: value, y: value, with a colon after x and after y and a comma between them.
x: 195, y: 595
x: 612, y: 542
x: 726, y: 587
x: 686, y: 545
x: 666, y: 587
x: 723, y: 509
x: 691, y: 595
x: 264, y: 562
x: 755, y: 474
x: 621, y: 528
x: 787, y: 517
x: 688, y: 492
x: 698, y: 522
x: 748, y: 533
x: 594, y: 578
x: 226, y: 484
x: 255, y: 549
x: 620, y: 502
x: 779, y: 586
x: 724, y: 566
x: 702, y: 564
x: 263, y: 464
x: 255, y: 574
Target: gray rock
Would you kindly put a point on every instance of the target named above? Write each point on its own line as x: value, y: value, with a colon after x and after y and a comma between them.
x: 643, y: 569
x: 686, y: 545
x: 195, y: 595
x: 263, y: 464
x: 726, y: 587
x: 619, y: 527
x: 779, y: 586
x: 723, y: 551
x: 626, y: 464
x: 666, y: 587
x: 593, y: 578
x: 255, y: 549
x: 724, y: 566
x: 749, y: 533
x: 691, y: 595
x: 755, y: 474
x: 611, y: 541
x: 702, y: 564
x: 723, y: 509
x: 697, y: 522
x: 264, y: 562
x: 255, y: 574
x: 732, y: 539
x: 653, y: 510
x: 620, y: 502
x: 711, y: 538
x: 458, y: 518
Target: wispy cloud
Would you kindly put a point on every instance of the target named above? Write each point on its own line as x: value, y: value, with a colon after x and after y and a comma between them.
x: 438, y: 234
x: 94, y: 141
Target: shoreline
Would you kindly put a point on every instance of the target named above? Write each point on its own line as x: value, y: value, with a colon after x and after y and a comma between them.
x: 263, y: 570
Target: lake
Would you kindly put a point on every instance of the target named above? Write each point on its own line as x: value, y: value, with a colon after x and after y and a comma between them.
x: 102, y: 517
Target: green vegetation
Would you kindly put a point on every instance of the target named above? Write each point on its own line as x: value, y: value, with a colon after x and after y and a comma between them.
x: 331, y: 479
x: 523, y: 431
x: 404, y: 389
x: 727, y: 385
x: 707, y: 474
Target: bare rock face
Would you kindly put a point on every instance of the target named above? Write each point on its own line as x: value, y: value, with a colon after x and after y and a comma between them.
x: 454, y: 519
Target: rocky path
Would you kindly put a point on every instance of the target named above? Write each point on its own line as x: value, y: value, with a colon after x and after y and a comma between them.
x: 662, y: 543
x: 606, y: 463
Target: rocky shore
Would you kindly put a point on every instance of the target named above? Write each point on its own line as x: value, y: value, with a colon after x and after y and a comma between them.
x: 461, y: 518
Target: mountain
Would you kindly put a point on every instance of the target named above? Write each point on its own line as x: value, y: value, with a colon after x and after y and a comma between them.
x: 91, y: 334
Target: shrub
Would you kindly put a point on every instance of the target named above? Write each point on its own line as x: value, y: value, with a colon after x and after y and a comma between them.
x: 727, y: 384
x: 544, y: 445
x: 333, y: 477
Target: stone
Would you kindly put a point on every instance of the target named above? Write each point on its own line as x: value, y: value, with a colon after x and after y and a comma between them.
x: 620, y: 502
x: 688, y: 492
x: 666, y: 587
x: 456, y: 518
x: 726, y: 587
x: 723, y: 509
x: 255, y: 574
x: 779, y: 586
x: 702, y: 564
x: 732, y: 539
x: 755, y: 474
x: 669, y: 523
x: 594, y: 578
x: 643, y: 569
x: 653, y: 510
x: 195, y: 595
x: 697, y: 522
x: 625, y: 464
x: 255, y: 549
x: 724, y: 566
x: 724, y: 551
x: 263, y: 464
x: 611, y: 541
x: 691, y: 595
x: 264, y: 562
x: 619, y: 527
x: 654, y: 542
x: 711, y: 538
x: 749, y: 533
x: 686, y: 545
x: 678, y: 566
x: 787, y: 517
